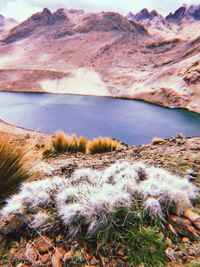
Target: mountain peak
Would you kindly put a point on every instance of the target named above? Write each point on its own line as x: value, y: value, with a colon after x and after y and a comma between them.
x: 44, y: 18
x: 64, y: 21
x: 188, y: 12
x: 144, y: 14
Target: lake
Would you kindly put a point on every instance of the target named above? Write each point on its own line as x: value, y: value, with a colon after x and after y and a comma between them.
x: 134, y: 122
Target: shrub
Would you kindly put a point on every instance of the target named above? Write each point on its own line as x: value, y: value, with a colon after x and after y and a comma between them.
x: 62, y: 143
x: 103, y: 145
x: 98, y: 195
x: 13, y: 170
x: 115, y: 208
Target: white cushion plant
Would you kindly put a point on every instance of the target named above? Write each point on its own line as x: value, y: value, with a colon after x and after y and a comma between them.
x: 90, y: 196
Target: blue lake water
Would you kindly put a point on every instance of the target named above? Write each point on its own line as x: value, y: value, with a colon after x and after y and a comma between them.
x: 133, y: 122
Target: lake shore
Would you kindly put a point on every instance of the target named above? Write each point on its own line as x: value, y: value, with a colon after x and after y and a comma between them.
x: 144, y: 97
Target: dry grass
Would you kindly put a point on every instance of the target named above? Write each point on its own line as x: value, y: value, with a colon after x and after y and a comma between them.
x: 62, y: 143
x: 13, y: 168
x: 103, y: 145
x: 83, y: 142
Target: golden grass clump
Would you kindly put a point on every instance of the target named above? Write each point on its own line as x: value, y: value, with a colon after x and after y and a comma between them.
x: 83, y: 142
x: 62, y: 143
x: 103, y: 145
x: 13, y: 167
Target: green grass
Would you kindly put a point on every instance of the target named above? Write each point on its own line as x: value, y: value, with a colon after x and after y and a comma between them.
x: 144, y: 246
x: 132, y: 232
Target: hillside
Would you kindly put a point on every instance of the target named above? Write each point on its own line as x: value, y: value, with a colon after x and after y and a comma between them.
x: 110, y: 54
x: 28, y: 244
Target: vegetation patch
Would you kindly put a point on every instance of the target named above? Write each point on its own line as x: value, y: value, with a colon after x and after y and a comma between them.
x: 103, y: 145
x: 62, y: 143
x: 13, y: 168
x: 123, y: 208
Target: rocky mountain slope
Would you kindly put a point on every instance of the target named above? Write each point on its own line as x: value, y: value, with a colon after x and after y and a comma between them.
x: 183, y: 23
x: 6, y: 24
x: 70, y: 51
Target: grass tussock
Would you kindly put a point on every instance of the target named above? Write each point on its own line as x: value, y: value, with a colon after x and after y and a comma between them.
x: 13, y: 169
x: 62, y: 143
x: 103, y: 145
x: 125, y: 206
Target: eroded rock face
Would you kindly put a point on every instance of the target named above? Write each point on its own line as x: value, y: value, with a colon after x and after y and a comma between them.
x: 192, y: 75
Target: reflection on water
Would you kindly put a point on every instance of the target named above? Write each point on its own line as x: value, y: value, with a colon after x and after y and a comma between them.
x: 131, y: 121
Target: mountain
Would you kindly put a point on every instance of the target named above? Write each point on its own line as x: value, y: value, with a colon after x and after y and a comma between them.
x: 185, y: 12
x: 63, y: 22
x: 153, y: 21
x: 6, y: 24
x: 144, y: 14
x: 183, y: 23
x: 71, y: 51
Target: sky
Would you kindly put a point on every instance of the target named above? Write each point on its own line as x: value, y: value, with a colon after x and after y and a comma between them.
x: 21, y: 9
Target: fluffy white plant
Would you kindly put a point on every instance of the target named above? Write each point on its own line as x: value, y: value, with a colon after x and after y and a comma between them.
x: 39, y: 219
x: 44, y: 168
x: 90, y: 196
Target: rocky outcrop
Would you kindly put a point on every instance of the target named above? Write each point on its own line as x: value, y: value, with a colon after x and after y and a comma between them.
x: 192, y: 74
x: 187, y: 12
x: 143, y: 15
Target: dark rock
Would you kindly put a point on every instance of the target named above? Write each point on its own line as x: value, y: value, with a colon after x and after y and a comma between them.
x: 178, y: 14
